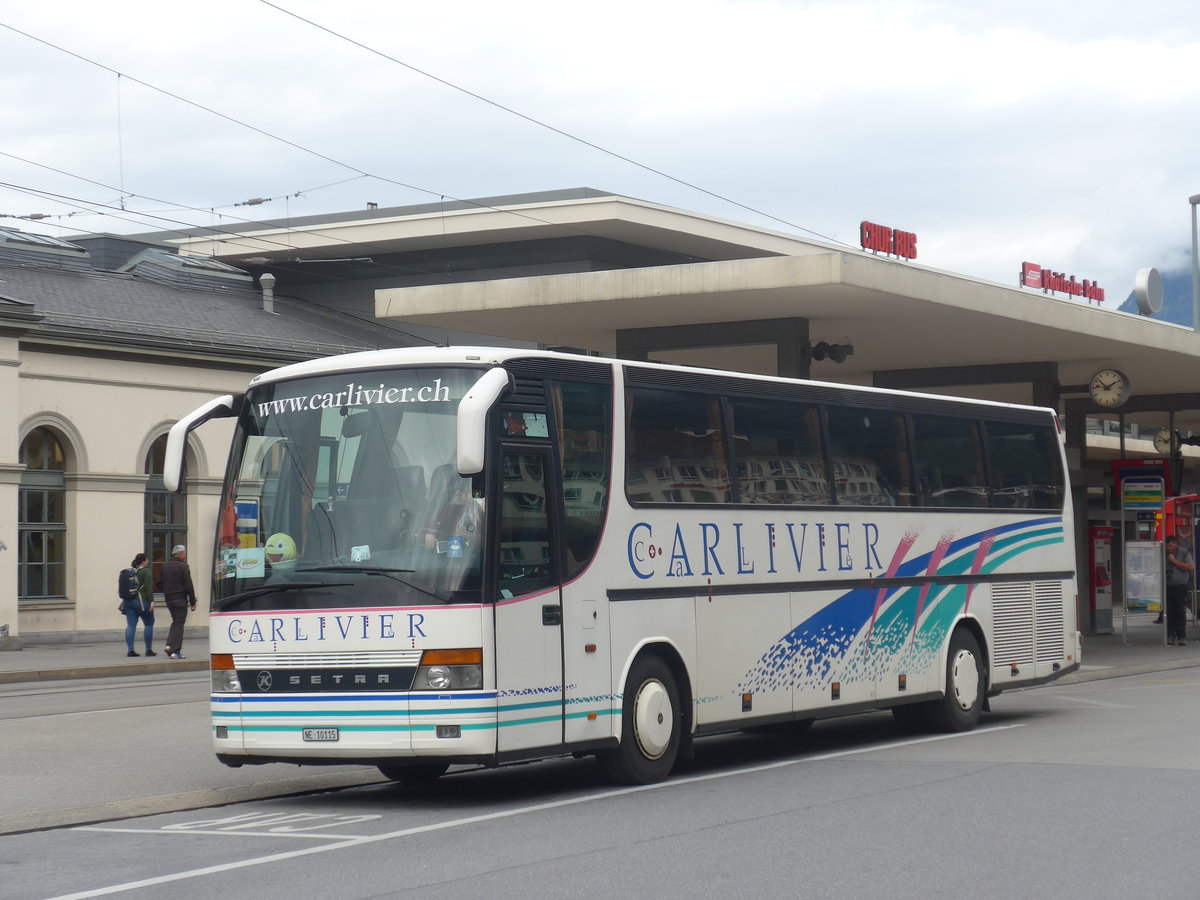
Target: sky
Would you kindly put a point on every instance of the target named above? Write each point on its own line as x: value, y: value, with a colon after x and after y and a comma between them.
x: 1064, y: 134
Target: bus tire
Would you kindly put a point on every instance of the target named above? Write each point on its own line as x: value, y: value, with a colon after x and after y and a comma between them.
x: 650, y: 725
x: 966, y: 687
x: 413, y: 773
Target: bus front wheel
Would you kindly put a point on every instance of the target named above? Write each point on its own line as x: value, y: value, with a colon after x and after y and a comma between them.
x: 650, y: 725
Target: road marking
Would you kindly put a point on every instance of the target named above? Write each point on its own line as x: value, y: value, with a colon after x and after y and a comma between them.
x: 510, y: 813
x: 97, y: 712
x: 215, y: 833
x: 301, y: 825
x: 1087, y: 701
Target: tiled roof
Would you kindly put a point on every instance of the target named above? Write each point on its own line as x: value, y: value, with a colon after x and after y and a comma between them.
x: 104, y: 306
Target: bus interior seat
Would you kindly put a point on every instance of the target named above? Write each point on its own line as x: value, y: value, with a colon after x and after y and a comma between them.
x: 317, y: 541
x: 382, y: 521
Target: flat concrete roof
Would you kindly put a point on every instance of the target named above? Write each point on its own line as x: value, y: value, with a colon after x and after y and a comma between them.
x: 898, y: 315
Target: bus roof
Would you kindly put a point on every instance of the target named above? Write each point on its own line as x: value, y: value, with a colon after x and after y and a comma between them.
x: 495, y: 356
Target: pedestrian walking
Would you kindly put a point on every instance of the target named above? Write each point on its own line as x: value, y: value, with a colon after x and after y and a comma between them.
x: 139, y: 606
x: 176, y: 579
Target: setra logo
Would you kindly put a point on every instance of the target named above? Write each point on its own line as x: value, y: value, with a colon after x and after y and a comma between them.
x: 264, y: 681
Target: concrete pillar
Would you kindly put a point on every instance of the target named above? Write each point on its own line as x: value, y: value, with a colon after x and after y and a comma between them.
x: 10, y: 480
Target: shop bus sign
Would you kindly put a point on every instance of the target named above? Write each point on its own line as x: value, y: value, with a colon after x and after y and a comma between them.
x: 882, y: 239
x: 1034, y: 276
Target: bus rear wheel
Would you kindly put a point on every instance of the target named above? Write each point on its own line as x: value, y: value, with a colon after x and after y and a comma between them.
x: 966, y: 684
x: 414, y: 773
x: 650, y: 725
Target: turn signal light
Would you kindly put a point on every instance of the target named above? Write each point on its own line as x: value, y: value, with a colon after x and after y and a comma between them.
x: 469, y: 657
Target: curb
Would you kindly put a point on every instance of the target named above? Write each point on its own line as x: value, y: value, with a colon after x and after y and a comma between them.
x: 1100, y: 673
x: 33, y: 675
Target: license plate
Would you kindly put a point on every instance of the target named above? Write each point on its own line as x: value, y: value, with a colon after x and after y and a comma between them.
x: 319, y: 734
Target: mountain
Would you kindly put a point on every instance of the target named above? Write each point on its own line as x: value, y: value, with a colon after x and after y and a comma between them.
x: 1177, y: 298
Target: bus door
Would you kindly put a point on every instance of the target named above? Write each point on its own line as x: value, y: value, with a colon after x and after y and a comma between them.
x: 529, y: 657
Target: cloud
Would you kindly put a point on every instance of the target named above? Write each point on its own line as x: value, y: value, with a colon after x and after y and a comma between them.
x: 998, y: 132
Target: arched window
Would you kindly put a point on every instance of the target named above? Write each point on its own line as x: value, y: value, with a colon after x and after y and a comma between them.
x: 166, y: 513
x: 42, y: 518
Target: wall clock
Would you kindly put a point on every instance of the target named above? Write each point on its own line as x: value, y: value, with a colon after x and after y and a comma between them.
x: 1166, y: 442
x: 1109, y: 388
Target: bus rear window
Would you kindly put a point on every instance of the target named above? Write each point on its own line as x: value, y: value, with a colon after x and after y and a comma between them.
x: 1025, y: 465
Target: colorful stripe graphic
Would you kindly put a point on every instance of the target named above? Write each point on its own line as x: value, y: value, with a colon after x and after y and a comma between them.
x: 893, y: 623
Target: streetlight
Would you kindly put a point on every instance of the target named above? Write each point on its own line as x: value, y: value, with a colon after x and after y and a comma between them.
x: 1193, y: 200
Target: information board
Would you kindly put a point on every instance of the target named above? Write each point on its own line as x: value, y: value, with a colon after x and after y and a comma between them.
x: 1144, y: 575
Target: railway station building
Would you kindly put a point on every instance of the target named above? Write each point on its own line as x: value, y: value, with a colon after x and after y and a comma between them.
x: 577, y: 269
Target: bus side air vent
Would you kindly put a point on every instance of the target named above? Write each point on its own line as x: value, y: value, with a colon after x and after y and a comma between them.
x: 1013, y: 624
x: 527, y: 392
x: 573, y: 368
x: 1050, y: 625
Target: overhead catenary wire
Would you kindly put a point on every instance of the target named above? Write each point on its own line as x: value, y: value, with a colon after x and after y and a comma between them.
x: 228, y: 118
x: 139, y: 218
x: 541, y: 124
x: 126, y: 215
x: 363, y: 173
x: 215, y: 230
x: 147, y: 218
x: 230, y: 236
x: 342, y: 313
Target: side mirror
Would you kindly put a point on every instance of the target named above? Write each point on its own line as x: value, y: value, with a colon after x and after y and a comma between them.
x: 219, y: 408
x: 473, y: 411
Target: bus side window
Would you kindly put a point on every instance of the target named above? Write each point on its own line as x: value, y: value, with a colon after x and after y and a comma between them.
x: 584, y: 422
x: 870, y: 457
x: 675, y: 449
x: 778, y: 453
x: 1025, y: 469
x: 951, y: 458
x: 525, y: 562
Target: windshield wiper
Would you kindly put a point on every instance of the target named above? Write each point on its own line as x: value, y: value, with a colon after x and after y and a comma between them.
x: 379, y: 570
x: 365, y: 570
x: 274, y: 589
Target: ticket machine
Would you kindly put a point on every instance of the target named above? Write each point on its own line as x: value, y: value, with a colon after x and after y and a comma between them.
x: 1100, y: 543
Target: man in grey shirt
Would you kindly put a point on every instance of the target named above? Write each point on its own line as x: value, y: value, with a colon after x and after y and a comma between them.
x: 1179, y: 577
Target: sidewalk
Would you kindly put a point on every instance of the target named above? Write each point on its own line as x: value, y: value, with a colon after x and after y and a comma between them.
x: 1104, y: 655
x: 100, y: 657
x: 1141, y: 648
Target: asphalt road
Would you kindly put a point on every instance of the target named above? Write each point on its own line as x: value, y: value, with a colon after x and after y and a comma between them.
x: 1082, y: 790
x: 73, y: 752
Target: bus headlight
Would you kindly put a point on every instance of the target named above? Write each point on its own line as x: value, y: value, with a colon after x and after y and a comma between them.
x: 225, y: 682
x: 224, y: 675
x: 442, y: 670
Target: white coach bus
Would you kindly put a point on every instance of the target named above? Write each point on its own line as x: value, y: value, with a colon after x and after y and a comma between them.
x: 470, y: 555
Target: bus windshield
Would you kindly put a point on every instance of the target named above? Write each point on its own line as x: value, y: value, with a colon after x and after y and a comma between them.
x: 345, y: 492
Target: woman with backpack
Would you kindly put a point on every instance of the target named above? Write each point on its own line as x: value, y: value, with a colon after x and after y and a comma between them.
x: 138, y: 603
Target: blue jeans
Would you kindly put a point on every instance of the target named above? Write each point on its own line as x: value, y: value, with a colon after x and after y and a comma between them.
x: 133, y: 612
